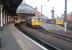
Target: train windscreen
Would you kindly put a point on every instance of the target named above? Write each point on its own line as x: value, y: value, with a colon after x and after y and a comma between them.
x: 35, y: 19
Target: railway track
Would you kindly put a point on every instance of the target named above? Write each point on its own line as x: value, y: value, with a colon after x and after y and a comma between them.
x: 43, y: 43
x: 62, y: 36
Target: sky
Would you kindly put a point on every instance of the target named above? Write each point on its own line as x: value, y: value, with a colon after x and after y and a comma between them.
x: 47, y: 6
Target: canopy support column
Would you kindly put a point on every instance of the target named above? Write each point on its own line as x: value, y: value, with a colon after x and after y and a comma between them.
x: 1, y: 16
x: 4, y: 17
x: 8, y: 18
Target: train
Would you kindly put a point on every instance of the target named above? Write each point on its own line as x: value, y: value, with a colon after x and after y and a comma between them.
x: 33, y: 21
x: 50, y: 21
x: 55, y: 21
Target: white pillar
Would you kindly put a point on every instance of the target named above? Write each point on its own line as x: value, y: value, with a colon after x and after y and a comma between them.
x: 8, y: 18
x: 1, y: 16
x: 4, y: 18
x: 19, y: 18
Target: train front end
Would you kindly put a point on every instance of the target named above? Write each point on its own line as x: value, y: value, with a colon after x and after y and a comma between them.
x: 36, y: 22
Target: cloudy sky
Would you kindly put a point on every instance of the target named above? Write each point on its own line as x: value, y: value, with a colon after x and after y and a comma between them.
x: 48, y: 5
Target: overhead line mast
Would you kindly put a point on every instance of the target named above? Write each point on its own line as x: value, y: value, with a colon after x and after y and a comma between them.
x: 65, y: 16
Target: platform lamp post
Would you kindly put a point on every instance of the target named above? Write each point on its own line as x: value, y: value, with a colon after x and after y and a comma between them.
x: 65, y: 16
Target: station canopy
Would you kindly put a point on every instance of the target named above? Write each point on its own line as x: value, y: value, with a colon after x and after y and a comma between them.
x: 25, y: 10
x: 10, y: 6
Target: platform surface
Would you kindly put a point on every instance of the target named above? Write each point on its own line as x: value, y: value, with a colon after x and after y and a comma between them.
x: 8, y: 40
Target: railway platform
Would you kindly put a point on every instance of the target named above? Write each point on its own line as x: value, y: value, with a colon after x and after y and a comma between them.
x: 8, y: 42
x: 13, y: 39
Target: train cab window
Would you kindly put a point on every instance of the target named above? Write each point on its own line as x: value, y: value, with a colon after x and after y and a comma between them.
x: 38, y: 19
x: 35, y: 19
x: 32, y: 19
